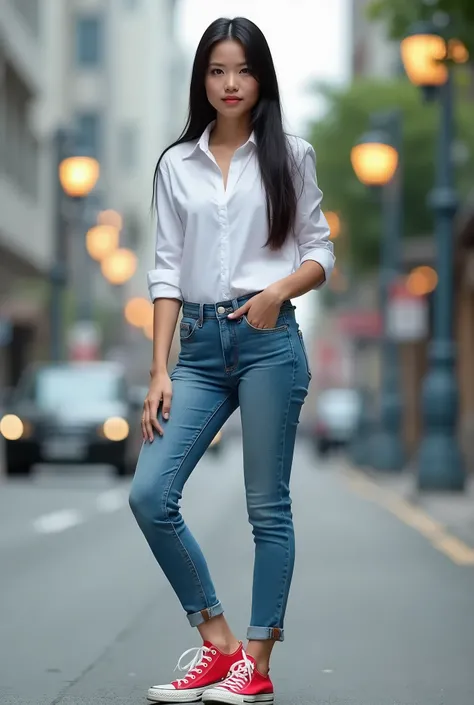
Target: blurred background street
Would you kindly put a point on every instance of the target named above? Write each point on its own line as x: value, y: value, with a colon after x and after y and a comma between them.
x: 381, y: 613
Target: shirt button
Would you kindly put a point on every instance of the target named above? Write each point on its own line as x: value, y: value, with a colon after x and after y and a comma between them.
x: 221, y: 309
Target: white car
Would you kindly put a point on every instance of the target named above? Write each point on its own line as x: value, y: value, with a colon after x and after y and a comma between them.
x: 337, y: 415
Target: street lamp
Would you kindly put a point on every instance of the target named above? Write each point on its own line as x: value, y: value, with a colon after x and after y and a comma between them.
x: 74, y: 176
x: 78, y: 175
x: 120, y: 266
x: 374, y: 159
x: 440, y: 463
x: 376, y: 162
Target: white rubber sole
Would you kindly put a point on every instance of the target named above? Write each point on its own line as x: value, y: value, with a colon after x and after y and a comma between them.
x: 220, y: 695
x: 165, y: 695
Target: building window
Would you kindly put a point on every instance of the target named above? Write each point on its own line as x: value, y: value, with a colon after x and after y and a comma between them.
x: 128, y: 147
x: 89, y: 41
x: 89, y: 134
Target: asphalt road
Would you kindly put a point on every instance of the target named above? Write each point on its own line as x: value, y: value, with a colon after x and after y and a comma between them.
x: 377, y: 615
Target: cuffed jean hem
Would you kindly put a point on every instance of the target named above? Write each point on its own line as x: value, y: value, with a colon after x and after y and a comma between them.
x: 264, y: 633
x: 197, y: 618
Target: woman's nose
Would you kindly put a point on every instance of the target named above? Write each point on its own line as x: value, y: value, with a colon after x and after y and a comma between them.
x: 231, y: 84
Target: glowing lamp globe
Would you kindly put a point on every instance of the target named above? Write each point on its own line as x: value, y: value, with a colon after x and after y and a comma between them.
x: 374, y: 160
x: 78, y: 175
x: 423, y: 53
x: 120, y: 266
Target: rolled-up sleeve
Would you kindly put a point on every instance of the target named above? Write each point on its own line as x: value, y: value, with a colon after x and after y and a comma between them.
x: 311, y: 227
x: 164, y: 279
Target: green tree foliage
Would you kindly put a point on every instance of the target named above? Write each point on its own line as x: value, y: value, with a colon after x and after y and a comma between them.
x: 346, y: 118
x: 400, y: 14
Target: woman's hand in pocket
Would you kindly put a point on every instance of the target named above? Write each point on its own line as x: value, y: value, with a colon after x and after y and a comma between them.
x: 262, y: 310
x: 159, y: 394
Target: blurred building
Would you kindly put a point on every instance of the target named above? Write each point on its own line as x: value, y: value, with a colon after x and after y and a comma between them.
x: 116, y: 77
x: 373, y: 53
x: 25, y: 187
x: 112, y: 72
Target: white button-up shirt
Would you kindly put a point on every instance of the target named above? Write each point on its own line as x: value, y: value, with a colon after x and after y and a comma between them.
x: 210, y: 240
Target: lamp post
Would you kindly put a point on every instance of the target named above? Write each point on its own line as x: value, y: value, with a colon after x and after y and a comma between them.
x: 440, y: 463
x: 75, y: 177
x: 376, y: 162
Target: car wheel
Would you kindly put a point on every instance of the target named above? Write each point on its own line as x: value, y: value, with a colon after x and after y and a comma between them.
x: 16, y: 470
x: 124, y: 470
x: 323, y: 447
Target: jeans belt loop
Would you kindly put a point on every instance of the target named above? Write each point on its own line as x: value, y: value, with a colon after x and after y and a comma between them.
x: 201, y: 315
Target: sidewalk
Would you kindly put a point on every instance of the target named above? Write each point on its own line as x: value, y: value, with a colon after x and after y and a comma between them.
x: 454, y: 510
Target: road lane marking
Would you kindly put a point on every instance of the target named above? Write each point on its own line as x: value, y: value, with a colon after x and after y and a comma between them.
x: 63, y: 519
x: 57, y: 521
x: 411, y: 515
x: 111, y: 501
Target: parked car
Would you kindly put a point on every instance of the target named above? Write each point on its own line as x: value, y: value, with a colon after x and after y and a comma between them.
x: 77, y: 413
x: 337, y: 415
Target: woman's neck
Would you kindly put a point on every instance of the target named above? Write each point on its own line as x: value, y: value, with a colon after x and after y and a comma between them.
x: 231, y: 133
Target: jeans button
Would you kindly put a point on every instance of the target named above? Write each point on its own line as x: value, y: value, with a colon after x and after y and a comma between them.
x: 221, y: 309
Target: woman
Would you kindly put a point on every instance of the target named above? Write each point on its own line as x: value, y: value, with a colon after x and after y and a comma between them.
x: 240, y: 233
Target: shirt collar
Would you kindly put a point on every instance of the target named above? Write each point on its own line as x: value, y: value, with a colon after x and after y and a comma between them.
x: 203, y: 141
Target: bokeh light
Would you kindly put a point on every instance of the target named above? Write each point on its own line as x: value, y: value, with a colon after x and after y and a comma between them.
x: 139, y: 312
x: 116, y: 429
x: 11, y: 427
x: 374, y: 163
x: 422, y: 56
x: 334, y: 223
x: 457, y: 51
x: 78, y: 175
x: 110, y: 217
x: 422, y: 281
x: 101, y: 241
x: 120, y: 266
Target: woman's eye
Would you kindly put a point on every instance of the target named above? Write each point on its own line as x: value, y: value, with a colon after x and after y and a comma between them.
x: 245, y: 70
x: 215, y: 72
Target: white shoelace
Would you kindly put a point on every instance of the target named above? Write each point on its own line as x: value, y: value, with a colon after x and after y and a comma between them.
x: 198, y: 662
x: 240, y: 673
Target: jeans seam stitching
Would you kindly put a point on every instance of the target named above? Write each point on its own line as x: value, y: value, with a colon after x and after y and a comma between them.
x: 305, y: 354
x: 286, y: 572
x: 166, y: 494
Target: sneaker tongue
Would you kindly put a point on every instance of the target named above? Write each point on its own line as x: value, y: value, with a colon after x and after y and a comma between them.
x: 208, y: 644
x: 251, y: 659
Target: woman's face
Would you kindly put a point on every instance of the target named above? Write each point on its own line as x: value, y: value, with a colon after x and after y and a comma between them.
x: 231, y: 89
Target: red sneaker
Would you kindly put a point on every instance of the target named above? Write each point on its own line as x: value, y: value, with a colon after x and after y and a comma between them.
x: 208, y: 667
x: 244, y: 684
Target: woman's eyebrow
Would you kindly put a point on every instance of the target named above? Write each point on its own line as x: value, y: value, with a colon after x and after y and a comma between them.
x: 216, y: 63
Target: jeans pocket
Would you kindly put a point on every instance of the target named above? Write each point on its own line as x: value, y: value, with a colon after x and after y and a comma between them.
x: 186, y: 329
x: 305, y: 353
x: 266, y: 330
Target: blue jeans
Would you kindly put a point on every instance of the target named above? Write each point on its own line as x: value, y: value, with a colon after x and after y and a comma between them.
x: 224, y: 364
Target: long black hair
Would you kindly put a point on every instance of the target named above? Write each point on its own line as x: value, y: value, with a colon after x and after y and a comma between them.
x: 274, y: 154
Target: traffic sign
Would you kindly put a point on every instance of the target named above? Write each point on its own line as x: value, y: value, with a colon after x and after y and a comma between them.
x: 407, y: 314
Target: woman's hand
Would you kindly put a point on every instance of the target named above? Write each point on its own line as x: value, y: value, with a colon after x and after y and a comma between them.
x: 262, y: 310
x: 160, y: 392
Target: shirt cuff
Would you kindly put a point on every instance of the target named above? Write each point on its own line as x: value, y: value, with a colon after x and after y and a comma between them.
x: 323, y: 257
x: 163, y: 284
